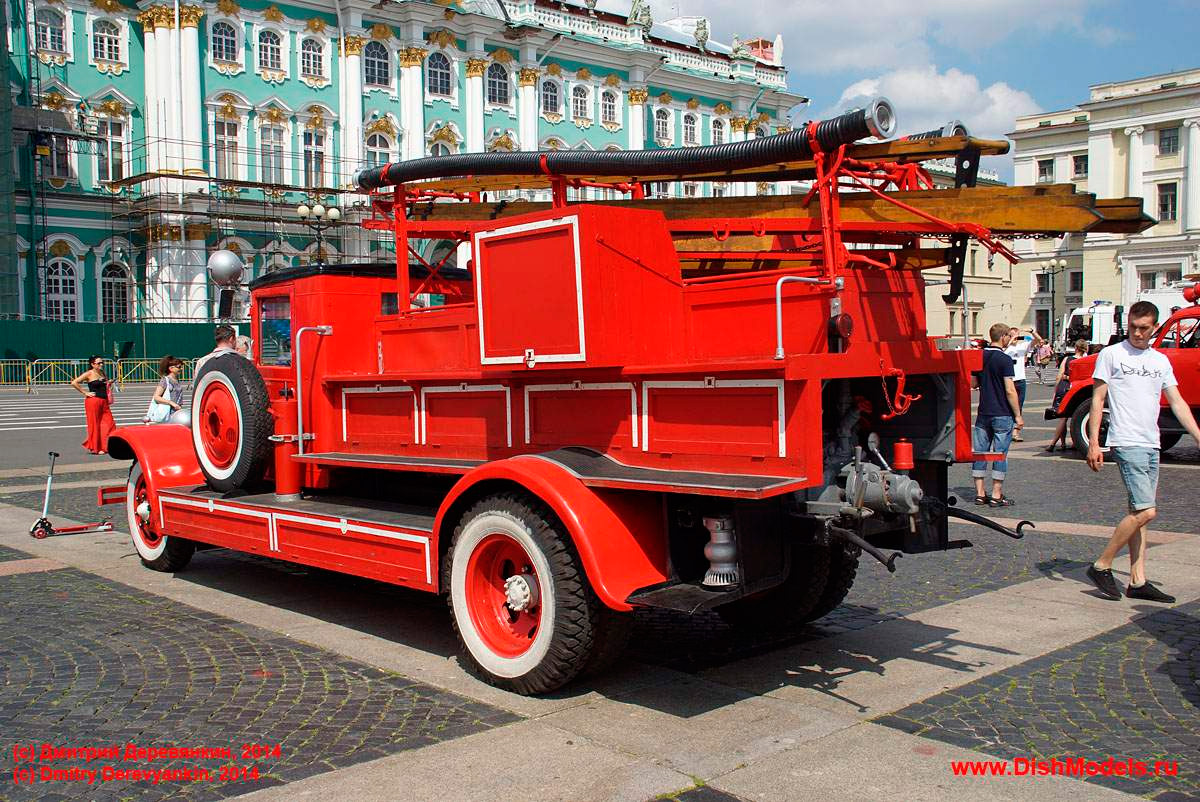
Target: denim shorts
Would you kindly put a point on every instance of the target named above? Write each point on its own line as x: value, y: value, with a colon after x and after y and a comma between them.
x: 995, y: 435
x: 1139, y: 472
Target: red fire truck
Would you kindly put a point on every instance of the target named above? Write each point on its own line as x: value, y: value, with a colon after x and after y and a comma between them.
x: 587, y: 407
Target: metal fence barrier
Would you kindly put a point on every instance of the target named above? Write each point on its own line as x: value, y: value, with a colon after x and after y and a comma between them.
x: 31, y: 374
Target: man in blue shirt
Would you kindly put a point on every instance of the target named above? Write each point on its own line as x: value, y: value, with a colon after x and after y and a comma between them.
x: 999, y: 414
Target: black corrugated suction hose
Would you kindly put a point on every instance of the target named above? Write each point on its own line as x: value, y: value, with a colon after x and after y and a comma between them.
x: 878, y: 120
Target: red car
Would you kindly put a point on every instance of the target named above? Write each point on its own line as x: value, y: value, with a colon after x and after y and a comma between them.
x: 1179, y: 339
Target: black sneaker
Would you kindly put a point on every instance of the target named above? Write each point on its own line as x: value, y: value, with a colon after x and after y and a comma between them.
x: 1104, y: 581
x: 1148, y: 592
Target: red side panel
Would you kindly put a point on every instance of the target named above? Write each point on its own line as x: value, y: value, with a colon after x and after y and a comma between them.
x: 377, y: 420
x: 474, y: 418
x: 721, y: 420
x: 602, y: 418
x: 508, y: 266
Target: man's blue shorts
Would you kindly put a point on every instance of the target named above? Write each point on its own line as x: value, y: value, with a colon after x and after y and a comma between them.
x: 1139, y: 472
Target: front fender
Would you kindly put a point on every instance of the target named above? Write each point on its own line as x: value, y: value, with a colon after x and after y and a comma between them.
x: 620, y: 535
x: 165, y: 452
x: 1077, y: 391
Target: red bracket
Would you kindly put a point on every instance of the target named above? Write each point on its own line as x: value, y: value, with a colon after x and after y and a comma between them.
x: 898, y: 404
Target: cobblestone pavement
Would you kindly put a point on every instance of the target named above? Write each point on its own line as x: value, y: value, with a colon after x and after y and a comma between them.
x: 7, y: 554
x: 89, y: 662
x: 1131, y: 693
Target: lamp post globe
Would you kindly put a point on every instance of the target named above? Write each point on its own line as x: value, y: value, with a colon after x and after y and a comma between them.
x: 318, y: 210
x: 333, y: 214
x: 303, y: 211
x: 226, y: 268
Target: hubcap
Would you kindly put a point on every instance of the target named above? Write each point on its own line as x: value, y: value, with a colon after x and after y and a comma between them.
x: 503, y: 595
x: 141, y: 508
x: 218, y: 424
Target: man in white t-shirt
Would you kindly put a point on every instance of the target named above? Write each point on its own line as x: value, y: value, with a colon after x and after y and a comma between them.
x: 1132, y: 376
x: 1018, y: 349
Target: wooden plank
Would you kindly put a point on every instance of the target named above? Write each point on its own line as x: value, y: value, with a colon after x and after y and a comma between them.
x: 1122, y: 216
x: 1011, y: 210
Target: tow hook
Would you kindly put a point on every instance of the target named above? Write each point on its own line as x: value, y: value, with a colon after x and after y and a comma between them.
x: 889, y: 562
x: 976, y: 518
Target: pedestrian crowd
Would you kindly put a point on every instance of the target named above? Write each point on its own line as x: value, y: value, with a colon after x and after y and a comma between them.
x: 1129, y: 377
x: 98, y: 388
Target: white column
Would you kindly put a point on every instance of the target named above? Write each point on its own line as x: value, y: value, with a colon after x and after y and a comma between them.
x: 1133, y: 179
x: 737, y: 133
x: 527, y: 108
x: 352, y: 110
x: 637, y: 117
x: 167, y: 108
x: 192, y: 128
x: 1101, y: 178
x: 150, y: 105
x: 412, y: 102
x: 1191, y: 177
x: 474, y: 104
x: 193, y: 273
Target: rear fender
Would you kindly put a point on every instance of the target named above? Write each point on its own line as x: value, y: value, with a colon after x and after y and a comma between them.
x: 620, y: 535
x: 165, y: 452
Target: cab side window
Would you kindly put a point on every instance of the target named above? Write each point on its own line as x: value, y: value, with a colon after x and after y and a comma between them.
x: 275, y: 331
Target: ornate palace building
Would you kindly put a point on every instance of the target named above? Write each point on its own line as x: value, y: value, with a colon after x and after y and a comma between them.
x: 146, y: 137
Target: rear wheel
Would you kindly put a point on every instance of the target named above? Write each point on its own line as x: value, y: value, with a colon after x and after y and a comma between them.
x: 788, y: 605
x: 526, y: 618
x: 843, y: 568
x: 159, y: 552
x: 231, y: 422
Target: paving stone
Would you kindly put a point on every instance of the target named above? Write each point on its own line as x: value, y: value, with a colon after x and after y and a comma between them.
x: 97, y: 663
x: 1129, y: 693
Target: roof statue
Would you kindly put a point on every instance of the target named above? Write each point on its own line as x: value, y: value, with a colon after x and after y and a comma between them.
x: 591, y: 6
x: 639, y: 14
x: 701, y: 34
x: 738, y: 49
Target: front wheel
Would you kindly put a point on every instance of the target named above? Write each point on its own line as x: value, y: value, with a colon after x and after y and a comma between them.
x: 159, y: 552
x: 1079, y: 427
x: 526, y: 618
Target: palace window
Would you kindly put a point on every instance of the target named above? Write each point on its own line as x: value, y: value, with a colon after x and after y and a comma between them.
x: 1168, y: 141
x: 224, y: 42
x: 377, y: 65
x: 106, y: 41
x: 314, y: 158
x: 579, y: 102
x: 549, y: 97
x: 226, y: 140
x: 662, y: 125
x: 270, y: 138
x: 59, y: 163
x: 114, y: 294
x: 312, y: 59
x: 379, y: 150
x: 51, y: 30
x: 760, y: 132
x: 1075, y: 281
x: 1079, y: 166
x: 110, y: 161
x: 497, y: 85
x: 439, y: 149
x: 718, y: 132
x: 1168, y: 202
x: 608, y: 107
x: 689, y: 129
x: 62, y: 299
x: 438, y: 75
x: 270, y: 51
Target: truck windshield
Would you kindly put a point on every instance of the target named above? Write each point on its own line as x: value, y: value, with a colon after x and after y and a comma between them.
x: 1181, y: 334
x: 275, y: 331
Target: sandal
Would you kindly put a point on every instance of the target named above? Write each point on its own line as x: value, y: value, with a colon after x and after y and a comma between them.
x: 1003, y: 501
x: 981, y: 501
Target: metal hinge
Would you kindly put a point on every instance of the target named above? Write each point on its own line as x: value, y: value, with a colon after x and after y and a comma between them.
x: 290, y: 438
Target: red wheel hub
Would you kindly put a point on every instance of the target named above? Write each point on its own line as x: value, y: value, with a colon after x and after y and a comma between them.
x: 145, y: 529
x: 503, y: 595
x: 218, y: 424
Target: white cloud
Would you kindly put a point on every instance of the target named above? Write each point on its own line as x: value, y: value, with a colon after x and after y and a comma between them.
x: 926, y: 98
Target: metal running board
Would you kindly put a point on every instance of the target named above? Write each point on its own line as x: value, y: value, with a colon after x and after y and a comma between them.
x: 600, y: 470
x: 684, y: 597
x: 351, y: 508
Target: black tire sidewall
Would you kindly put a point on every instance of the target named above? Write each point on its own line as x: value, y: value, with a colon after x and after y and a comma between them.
x: 249, y: 391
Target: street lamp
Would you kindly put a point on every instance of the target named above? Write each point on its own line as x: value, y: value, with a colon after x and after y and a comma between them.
x: 1053, y: 268
x: 318, y: 218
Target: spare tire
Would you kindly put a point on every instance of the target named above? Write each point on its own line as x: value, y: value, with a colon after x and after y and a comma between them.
x: 231, y: 422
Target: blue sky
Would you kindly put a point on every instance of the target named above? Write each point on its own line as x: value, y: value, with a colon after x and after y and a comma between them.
x: 982, y: 61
